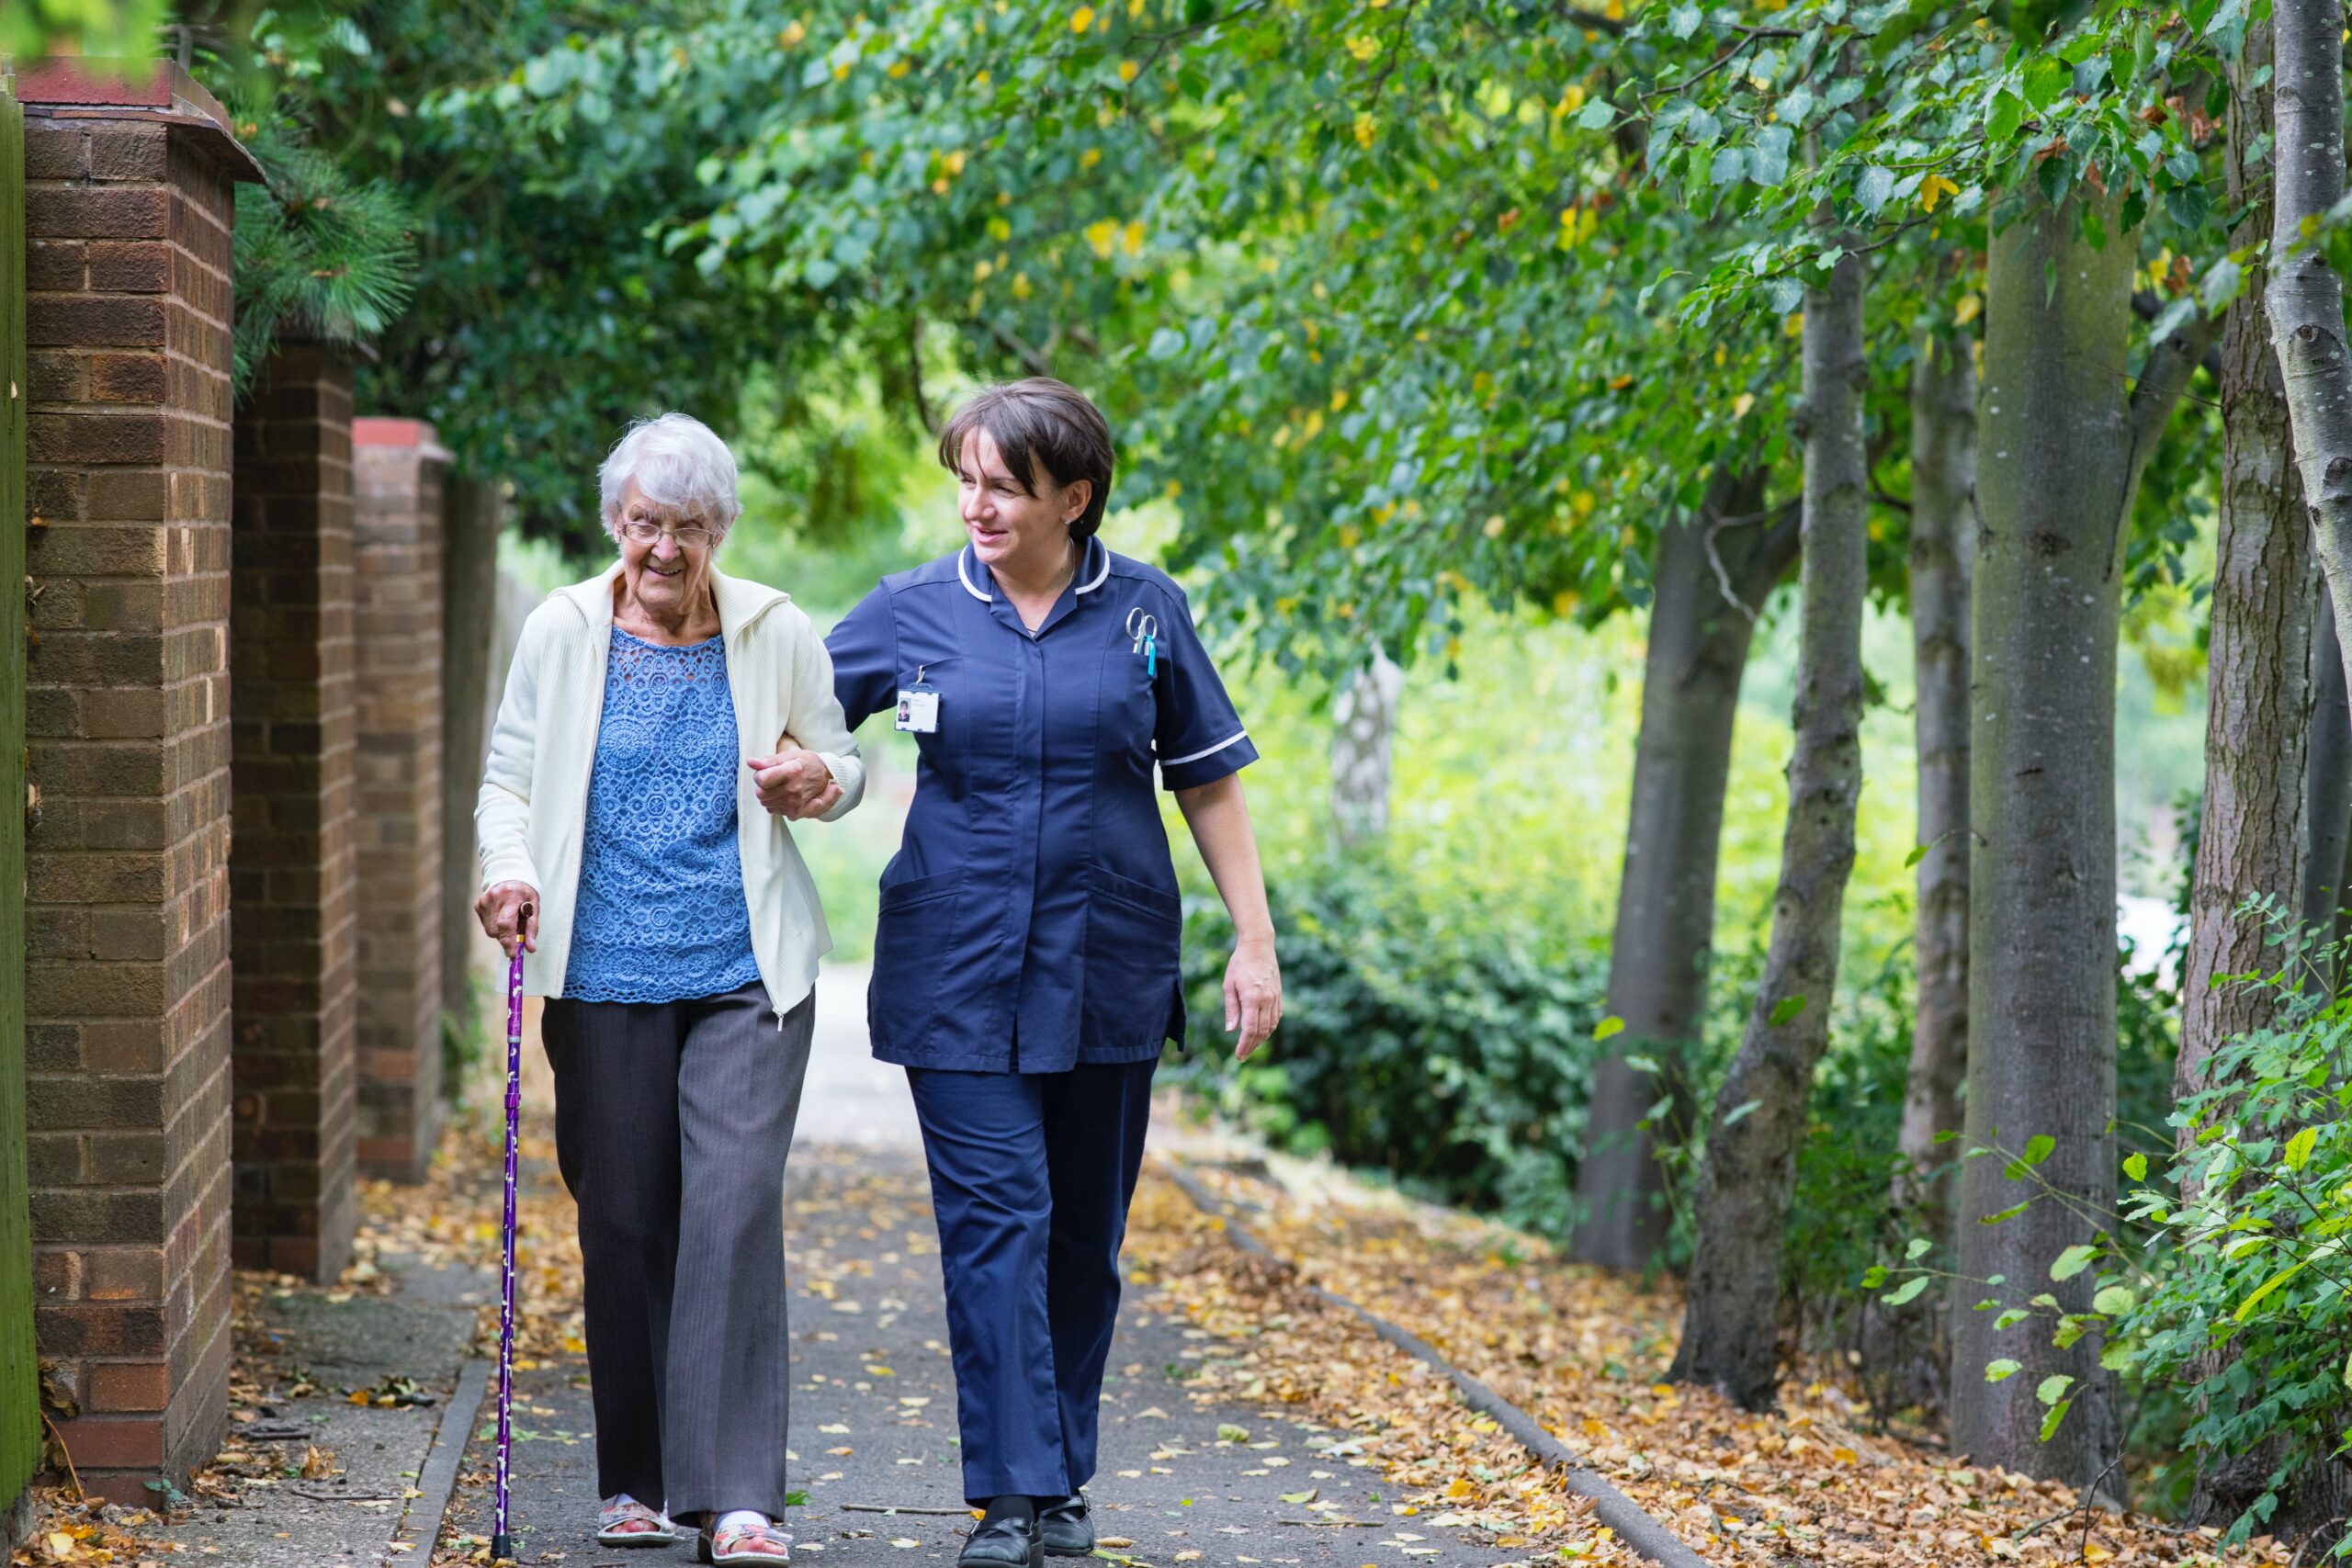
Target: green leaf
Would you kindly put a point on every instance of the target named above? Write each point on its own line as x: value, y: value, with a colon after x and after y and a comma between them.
x: 1917, y: 1248
x: 2038, y: 1148
x: 2073, y: 1261
x: 1786, y: 1008
x: 1227, y: 1432
x: 1682, y: 20
x: 2135, y: 1165
x: 2009, y: 1213
x: 2114, y: 1299
x: 2299, y: 1146
x: 1608, y: 1026
x: 2046, y: 76
x: 2007, y: 113
x: 1871, y: 192
x: 1741, y: 1111
x: 1596, y: 114
x: 1918, y: 852
x: 1768, y: 155
x: 1908, y: 1292
x: 2057, y: 1414
x: 2053, y: 1388
x: 1996, y: 1371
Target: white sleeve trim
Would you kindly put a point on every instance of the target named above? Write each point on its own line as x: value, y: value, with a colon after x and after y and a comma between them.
x: 1179, y: 761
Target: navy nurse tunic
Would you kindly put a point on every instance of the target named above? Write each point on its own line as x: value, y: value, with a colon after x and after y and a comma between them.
x: 1030, y: 921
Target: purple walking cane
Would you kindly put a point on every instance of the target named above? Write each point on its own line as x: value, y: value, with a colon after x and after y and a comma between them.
x: 501, y: 1543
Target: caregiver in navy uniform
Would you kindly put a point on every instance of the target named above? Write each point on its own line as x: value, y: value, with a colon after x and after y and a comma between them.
x: 1025, y: 964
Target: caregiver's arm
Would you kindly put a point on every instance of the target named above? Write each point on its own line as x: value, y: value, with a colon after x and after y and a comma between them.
x: 1220, y: 818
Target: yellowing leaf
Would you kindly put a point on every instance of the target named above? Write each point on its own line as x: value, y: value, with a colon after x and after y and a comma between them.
x: 1934, y: 188
x: 1103, y: 234
x: 1363, y: 46
x: 1741, y: 404
x: 1129, y: 71
x: 1081, y: 18
x: 792, y: 34
x: 1967, y: 310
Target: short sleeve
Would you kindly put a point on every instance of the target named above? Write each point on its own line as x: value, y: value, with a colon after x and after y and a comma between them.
x: 1200, y: 738
x: 865, y: 651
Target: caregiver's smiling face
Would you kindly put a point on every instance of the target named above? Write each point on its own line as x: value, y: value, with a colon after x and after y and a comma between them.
x: 1022, y: 525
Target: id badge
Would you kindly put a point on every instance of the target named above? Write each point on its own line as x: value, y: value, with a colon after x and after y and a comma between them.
x: 918, y: 709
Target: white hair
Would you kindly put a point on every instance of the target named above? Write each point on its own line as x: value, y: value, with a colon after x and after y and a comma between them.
x: 680, y: 464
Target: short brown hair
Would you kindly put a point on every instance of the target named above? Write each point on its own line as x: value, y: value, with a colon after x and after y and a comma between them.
x: 1040, y: 421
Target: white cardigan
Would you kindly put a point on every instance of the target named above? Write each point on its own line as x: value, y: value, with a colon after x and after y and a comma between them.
x: 534, y: 802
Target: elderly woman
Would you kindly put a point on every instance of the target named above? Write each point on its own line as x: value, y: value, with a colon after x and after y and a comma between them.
x: 1025, y: 966
x: 633, y: 844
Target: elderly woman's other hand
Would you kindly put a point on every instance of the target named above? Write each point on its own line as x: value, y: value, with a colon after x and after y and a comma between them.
x: 794, y: 784
x: 510, y: 912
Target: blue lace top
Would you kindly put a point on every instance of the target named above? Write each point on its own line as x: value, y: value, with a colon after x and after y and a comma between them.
x: 660, y: 913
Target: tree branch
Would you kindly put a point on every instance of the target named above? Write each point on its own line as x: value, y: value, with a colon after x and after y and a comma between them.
x: 2147, y: 307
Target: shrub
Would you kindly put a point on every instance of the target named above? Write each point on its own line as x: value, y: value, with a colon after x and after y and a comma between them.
x: 1443, y: 1036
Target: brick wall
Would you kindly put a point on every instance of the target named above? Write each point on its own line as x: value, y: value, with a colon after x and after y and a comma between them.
x: 292, y: 869
x: 127, y: 988
x: 397, y: 467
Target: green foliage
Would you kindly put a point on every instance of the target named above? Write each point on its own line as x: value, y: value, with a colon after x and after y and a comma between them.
x: 320, y: 254
x: 1439, y: 1036
x: 102, y: 29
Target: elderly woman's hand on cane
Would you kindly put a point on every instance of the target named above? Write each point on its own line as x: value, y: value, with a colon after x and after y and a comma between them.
x: 510, y: 913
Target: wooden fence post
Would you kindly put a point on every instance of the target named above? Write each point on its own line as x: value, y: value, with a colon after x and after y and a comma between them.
x: 19, y: 1388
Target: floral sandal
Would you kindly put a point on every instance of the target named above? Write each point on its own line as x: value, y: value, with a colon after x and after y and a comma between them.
x: 625, y: 1521
x: 760, y: 1543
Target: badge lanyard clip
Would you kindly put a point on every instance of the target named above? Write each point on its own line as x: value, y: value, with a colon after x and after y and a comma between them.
x: 919, y: 705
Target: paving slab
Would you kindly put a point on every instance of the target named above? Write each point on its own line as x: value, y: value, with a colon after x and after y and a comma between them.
x: 419, y: 1329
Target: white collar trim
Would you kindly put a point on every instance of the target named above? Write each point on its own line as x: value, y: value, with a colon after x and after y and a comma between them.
x: 963, y: 577
x: 1101, y: 576
x: 1094, y: 544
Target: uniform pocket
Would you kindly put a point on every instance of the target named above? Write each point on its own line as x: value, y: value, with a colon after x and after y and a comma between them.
x: 1134, y: 940
x: 913, y: 936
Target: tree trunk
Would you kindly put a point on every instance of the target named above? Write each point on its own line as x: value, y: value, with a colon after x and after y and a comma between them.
x: 2327, y: 787
x: 1364, y: 724
x: 2258, y: 663
x: 1943, y: 550
x: 1701, y: 622
x: 2061, y: 448
x: 1730, y: 1324
x: 2304, y: 295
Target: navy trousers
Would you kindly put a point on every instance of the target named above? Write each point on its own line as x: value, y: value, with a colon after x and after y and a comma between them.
x: 1031, y: 1175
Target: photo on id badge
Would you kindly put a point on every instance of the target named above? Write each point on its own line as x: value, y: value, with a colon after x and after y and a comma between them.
x: 919, y: 707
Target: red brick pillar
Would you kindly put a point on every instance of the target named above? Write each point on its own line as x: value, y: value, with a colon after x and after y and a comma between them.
x: 397, y: 466
x: 127, y: 214
x: 291, y: 871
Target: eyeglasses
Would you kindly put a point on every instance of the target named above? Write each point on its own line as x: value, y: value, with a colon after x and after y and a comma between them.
x: 645, y: 533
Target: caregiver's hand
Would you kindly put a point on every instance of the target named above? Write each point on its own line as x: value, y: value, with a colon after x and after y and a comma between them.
x: 1254, y: 994
x: 510, y: 912
x: 794, y: 783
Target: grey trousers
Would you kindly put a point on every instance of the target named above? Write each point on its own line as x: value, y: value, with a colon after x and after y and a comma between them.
x: 672, y: 1124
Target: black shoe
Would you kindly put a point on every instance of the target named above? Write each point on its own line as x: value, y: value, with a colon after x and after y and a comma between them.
x: 1007, y: 1541
x: 1067, y: 1529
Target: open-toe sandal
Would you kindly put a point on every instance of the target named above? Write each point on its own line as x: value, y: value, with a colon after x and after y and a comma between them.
x: 630, y: 1523
x: 746, y: 1544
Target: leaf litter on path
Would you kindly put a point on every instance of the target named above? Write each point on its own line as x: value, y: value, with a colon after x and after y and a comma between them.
x: 1580, y: 1350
